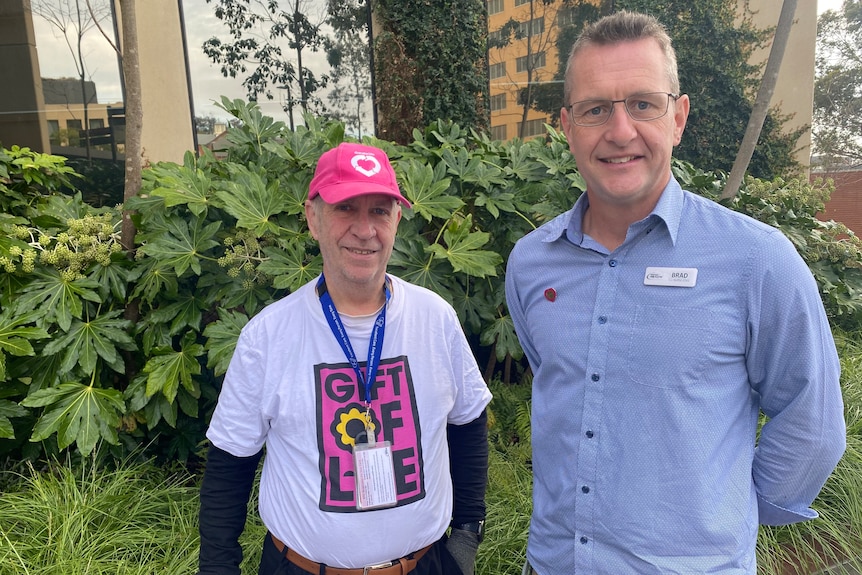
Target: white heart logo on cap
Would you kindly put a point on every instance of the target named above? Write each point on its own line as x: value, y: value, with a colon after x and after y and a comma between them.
x: 361, y: 157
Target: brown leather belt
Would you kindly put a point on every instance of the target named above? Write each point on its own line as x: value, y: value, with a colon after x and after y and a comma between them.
x: 401, y: 566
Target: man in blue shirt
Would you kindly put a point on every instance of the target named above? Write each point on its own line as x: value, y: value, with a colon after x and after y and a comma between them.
x: 659, y: 325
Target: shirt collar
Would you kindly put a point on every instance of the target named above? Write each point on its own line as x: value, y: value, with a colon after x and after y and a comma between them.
x: 668, y: 209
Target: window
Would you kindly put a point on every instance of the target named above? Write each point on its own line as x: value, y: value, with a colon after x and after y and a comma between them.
x: 498, y: 102
x: 73, y: 133
x: 521, y: 2
x: 565, y: 17
x: 522, y: 63
x: 532, y: 28
x: 533, y: 127
x: 97, y: 123
x: 53, y: 127
x: 497, y: 70
x: 498, y: 132
x: 496, y: 6
x: 495, y: 36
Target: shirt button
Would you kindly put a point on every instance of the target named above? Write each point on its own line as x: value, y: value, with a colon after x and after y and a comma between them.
x: 584, y: 540
x: 595, y: 377
x: 585, y: 489
x: 603, y: 319
x: 589, y: 434
x: 612, y: 263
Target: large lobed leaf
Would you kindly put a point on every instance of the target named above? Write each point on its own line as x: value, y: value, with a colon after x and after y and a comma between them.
x: 86, y: 341
x: 183, y: 245
x: 77, y: 413
x: 183, y: 185
x: 253, y: 201
x: 54, y: 298
x: 462, y: 250
x: 222, y: 337
x: 168, y: 368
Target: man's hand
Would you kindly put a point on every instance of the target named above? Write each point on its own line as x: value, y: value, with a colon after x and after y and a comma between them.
x: 463, y: 546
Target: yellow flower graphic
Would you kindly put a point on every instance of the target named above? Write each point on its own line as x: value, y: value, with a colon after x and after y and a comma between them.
x: 345, y: 420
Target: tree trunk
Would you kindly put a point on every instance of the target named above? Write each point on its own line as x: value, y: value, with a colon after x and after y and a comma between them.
x: 528, y: 93
x: 761, y: 104
x: 134, y: 152
x: 300, y: 71
x: 134, y: 115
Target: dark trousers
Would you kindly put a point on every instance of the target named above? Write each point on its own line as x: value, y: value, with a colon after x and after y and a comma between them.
x: 437, y: 561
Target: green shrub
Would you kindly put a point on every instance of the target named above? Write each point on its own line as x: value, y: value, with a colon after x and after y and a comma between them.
x: 128, y: 349
x: 832, y: 251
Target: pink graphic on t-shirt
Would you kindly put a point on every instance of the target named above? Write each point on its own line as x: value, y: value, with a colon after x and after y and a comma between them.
x: 341, y: 420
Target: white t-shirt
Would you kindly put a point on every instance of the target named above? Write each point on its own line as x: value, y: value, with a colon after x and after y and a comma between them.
x: 289, y: 385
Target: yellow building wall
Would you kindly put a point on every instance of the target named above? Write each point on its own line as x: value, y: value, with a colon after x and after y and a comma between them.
x: 168, y: 127
x: 794, y: 91
x: 64, y: 118
x: 506, y: 121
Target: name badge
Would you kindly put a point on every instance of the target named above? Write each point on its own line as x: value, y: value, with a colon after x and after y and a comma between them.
x: 375, y: 476
x: 673, y: 277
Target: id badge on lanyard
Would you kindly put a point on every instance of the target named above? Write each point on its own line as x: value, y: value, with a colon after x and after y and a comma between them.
x: 374, y: 468
x: 374, y: 473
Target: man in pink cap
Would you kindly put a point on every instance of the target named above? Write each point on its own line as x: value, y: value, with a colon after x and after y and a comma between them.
x: 368, y: 399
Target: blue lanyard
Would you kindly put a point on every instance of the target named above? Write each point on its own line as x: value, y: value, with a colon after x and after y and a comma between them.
x: 375, y: 345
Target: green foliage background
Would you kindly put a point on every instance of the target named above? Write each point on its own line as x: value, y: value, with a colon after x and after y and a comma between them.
x: 430, y: 63
x: 97, y: 345
x: 838, y: 86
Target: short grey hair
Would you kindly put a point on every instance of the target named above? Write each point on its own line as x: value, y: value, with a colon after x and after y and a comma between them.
x: 624, y: 26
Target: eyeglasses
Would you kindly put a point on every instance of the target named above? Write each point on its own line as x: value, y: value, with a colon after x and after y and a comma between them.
x: 640, y: 107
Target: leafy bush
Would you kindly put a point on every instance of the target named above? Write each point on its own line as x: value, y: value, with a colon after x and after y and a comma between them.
x: 99, y: 345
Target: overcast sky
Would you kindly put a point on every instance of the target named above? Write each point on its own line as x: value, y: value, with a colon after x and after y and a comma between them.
x: 208, y: 84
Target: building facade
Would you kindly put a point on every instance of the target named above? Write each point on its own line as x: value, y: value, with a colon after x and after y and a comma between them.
x: 530, y: 59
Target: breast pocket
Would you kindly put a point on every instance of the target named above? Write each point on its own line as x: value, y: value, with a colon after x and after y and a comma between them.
x: 669, y: 346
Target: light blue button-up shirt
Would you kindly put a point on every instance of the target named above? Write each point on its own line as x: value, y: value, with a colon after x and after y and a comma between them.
x: 647, y: 389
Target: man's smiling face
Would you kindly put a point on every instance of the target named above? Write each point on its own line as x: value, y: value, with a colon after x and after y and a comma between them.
x: 356, y: 237
x: 624, y: 162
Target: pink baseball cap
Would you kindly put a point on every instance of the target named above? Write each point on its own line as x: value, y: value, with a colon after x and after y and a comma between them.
x: 350, y: 170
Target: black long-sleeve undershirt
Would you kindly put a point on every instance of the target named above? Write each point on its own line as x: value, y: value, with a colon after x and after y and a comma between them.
x: 468, y: 460
x: 225, y: 490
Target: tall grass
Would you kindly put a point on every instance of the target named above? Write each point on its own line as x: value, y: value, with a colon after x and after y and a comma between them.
x: 508, y: 519
x: 133, y: 520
